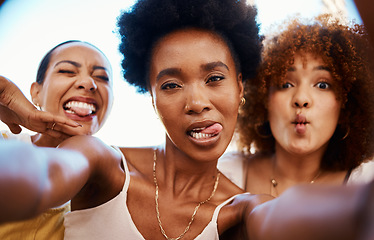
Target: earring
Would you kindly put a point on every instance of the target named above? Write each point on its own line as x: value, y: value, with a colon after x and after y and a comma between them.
x: 346, y: 135
x: 242, y: 101
x: 38, y: 106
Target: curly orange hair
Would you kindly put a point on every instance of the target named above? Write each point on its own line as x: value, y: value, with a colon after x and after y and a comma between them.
x: 346, y: 51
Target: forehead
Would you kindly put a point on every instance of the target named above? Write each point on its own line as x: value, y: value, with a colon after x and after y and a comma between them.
x: 308, y: 59
x: 80, y: 52
x: 193, y: 45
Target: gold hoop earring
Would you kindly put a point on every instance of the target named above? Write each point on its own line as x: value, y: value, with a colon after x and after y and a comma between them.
x: 242, y: 101
x: 346, y: 135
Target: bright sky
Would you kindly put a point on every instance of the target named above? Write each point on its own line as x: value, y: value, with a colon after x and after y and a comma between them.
x: 29, y: 28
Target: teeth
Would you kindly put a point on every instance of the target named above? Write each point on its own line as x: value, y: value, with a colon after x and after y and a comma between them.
x: 84, y: 105
x: 199, y: 135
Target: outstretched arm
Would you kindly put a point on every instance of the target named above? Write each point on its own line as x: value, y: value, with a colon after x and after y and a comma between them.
x: 16, y: 110
x: 312, y: 212
x: 34, y: 179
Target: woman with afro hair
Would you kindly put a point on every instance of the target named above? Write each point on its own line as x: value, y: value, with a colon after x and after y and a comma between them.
x: 191, y: 56
x: 309, y: 116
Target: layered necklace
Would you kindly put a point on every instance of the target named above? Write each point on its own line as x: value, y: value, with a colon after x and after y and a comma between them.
x: 274, y: 183
x: 194, y: 212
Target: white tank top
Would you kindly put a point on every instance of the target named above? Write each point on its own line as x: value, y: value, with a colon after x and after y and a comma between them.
x: 112, y: 220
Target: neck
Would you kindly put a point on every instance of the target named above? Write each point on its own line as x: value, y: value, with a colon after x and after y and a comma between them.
x: 183, y: 175
x: 296, y: 168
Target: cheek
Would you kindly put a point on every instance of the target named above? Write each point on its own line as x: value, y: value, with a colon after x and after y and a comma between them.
x: 50, y: 97
x: 276, y: 106
x: 329, y: 108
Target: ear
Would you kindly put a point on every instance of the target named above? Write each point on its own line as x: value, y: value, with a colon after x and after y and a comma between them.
x: 240, y: 85
x: 34, y: 92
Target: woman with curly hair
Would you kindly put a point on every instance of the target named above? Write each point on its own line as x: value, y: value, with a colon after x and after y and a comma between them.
x: 191, y: 56
x: 309, y: 117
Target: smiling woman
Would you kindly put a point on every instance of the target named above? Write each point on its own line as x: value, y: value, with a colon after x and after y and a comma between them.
x: 73, y: 73
x: 75, y: 65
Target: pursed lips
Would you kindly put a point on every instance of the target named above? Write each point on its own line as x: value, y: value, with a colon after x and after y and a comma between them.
x: 300, y: 123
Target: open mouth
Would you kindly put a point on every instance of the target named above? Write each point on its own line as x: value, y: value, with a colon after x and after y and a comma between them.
x: 82, y: 109
x: 202, y: 133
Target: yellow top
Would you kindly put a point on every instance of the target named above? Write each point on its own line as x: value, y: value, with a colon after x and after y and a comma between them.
x: 49, y: 225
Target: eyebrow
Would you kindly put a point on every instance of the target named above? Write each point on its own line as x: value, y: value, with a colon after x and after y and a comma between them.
x: 76, y: 64
x: 177, y: 71
x: 168, y: 71
x: 321, y: 67
x: 212, y: 65
x: 70, y: 62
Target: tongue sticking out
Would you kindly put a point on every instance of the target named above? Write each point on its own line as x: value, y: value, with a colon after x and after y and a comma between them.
x: 81, y: 111
x: 212, y: 129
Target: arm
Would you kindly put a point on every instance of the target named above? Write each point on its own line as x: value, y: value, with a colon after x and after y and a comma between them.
x: 311, y: 212
x: 34, y: 179
x: 16, y: 109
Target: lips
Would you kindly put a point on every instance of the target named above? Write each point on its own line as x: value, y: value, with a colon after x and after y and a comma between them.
x: 80, y: 107
x: 206, y: 131
x: 300, y: 123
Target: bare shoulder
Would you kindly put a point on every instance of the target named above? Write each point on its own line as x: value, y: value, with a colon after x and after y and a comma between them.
x: 138, y: 158
x: 94, y: 150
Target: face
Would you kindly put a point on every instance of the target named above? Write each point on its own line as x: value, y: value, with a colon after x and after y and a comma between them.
x: 304, y: 110
x: 196, y: 91
x: 77, y: 84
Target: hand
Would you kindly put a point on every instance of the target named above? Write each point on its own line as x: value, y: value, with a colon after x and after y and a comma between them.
x: 16, y: 110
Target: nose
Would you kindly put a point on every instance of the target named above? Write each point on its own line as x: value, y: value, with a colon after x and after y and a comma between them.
x: 302, y: 97
x: 86, y: 83
x: 197, y: 100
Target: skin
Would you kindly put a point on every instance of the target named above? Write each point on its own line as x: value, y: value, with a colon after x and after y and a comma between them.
x: 77, y: 72
x: 304, y: 112
x: 186, y: 166
x: 20, y: 112
x: 184, y: 178
x: 303, y: 115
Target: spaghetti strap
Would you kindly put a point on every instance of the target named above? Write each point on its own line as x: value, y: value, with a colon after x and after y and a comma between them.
x: 347, y: 176
x: 216, y: 211
x: 127, y: 172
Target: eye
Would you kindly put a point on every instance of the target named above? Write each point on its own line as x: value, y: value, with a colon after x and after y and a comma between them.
x: 103, y: 77
x: 66, y: 71
x: 170, y: 85
x: 323, y: 85
x: 215, y: 78
x: 286, y: 85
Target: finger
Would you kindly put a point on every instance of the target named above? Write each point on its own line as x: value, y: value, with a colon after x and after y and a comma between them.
x: 66, y: 121
x: 49, y: 117
x: 67, y: 130
x: 14, y: 128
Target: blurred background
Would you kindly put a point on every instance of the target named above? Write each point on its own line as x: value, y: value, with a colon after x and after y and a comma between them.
x: 29, y: 28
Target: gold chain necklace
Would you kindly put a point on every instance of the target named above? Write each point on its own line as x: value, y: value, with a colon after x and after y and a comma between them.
x: 194, y: 212
x: 274, y: 183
